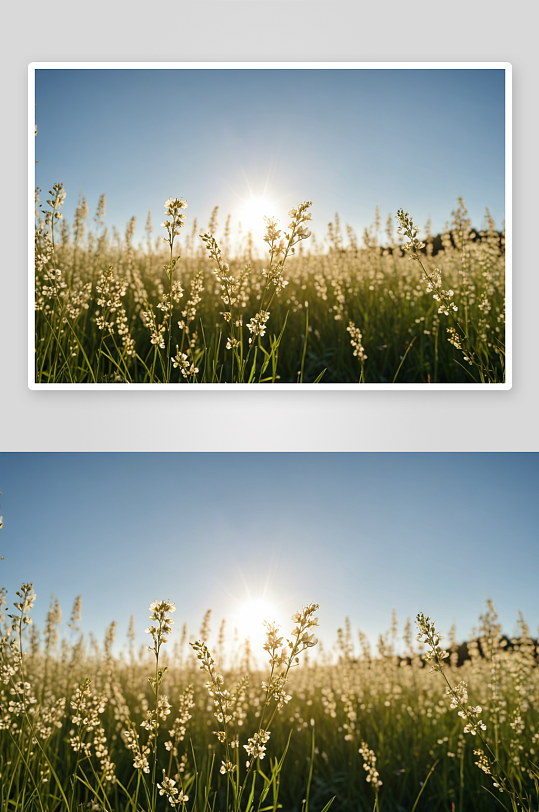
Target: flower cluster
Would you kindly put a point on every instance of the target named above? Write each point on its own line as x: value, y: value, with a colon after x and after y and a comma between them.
x: 257, y: 325
x: 87, y: 708
x: 50, y: 716
x: 275, y: 689
x: 276, y: 243
x: 213, y: 248
x: 428, y: 634
x: 141, y: 753
x: 282, y: 246
x: 12, y: 658
x: 406, y: 226
x: 444, y: 297
x: 123, y: 331
x: 167, y: 299
x: 459, y: 697
x: 222, y: 699
x: 168, y: 788
x: 273, y: 643
x: 227, y: 705
x: 27, y: 599
x: 459, y: 693
x: 355, y: 340
x: 110, y: 291
x: 159, y: 611
x: 302, y: 638
x: 483, y: 763
x: 156, y: 330
x: 275, y: 276
x: 175, y: 218
x: 177, y: 734
x: 369, y: 765
x: 58, y: 195
x: 189, y: 314
x: 298, y: 232
x: 229, y: 285
x: 23, y: 701
x: 454, y: 338
x: 182, y: 360
x: 55, y: 287
x: 151, y: 723
x: 256, y: 746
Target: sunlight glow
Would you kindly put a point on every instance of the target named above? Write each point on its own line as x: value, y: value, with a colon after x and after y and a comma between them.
x: 252, y: 211
x: 250, y: 616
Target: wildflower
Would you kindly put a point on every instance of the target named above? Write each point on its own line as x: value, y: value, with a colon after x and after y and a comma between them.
x: 256, y: 746
x: 303, y: 621
x: 273, y: 643
x: 111, y: 291
x: 175, y: 219
x: 257, y: 325
x: 275, y: 690
x: 189, y: 314
x: 168, y: 788
x: 156, y: 331
x: 181, y: 360
x: 58, y: 195
x: 459, y: 693
x: 483, y: 762
x: 178, y: 732
x: 159, y: 611
x: 406, y: 226
x: 427, y: 633
x: 369, y: 765
x: 27, y: 599
x: 355, y: 341
x: 175, y: 294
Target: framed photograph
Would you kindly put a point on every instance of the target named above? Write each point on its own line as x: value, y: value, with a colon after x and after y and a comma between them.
x: 292, y: 225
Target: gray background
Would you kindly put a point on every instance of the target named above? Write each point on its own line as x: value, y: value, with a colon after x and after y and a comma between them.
x: 255, y: 30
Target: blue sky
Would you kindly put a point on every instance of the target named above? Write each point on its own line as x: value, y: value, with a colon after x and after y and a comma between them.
x: 359, y: 533
x: 346, y: 139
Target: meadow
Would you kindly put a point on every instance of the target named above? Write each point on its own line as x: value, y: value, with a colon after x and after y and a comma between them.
x: 194, y: 305
x: 197, y: 724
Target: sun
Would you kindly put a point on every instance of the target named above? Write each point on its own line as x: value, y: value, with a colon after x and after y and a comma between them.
x: 252, y: 212
x: 250, y: 616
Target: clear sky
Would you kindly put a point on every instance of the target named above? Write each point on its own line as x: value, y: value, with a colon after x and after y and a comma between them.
x: 358, y: 533
x: 346, y: 139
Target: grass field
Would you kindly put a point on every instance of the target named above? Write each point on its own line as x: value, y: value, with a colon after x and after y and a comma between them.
x: 196, y: 724
x: 196, y: 306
